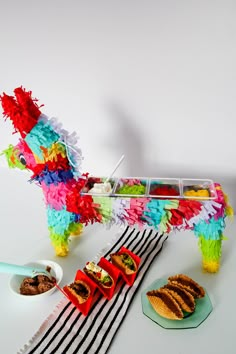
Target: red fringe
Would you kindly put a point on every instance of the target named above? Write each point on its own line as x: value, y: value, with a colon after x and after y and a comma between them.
x: 22, y: 110
x: 82, y: 204
x: 186, y: 210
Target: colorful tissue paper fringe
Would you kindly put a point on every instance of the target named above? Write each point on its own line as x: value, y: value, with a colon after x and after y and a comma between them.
x: 51, y: 154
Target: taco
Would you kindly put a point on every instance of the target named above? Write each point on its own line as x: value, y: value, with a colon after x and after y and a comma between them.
x: 80, y: 290
x: 99, y: 275
x: 125, y: 262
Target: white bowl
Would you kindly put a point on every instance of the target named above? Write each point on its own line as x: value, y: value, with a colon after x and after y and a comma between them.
x: 56, y: 271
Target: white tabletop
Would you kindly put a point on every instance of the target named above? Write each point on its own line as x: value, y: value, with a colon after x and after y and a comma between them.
x: 24, y: 238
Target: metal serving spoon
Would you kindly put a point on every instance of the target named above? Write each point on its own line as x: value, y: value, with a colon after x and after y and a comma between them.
x: 23, y: 270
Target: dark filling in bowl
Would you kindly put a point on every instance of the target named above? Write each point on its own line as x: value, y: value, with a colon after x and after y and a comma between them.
x: 37, y: 285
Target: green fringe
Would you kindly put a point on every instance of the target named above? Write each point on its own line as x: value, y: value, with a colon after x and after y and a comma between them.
x: 73, y: 227
x: 105, y: 207
x: 211, y: 249
x: 59, y: 240
x: 12, y: 152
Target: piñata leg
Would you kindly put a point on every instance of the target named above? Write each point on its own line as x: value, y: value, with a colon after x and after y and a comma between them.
x: 210, y: 234
x: 61, y: 224
x: 211, y: 254
x: 75, y: 229
x: 60, y: 242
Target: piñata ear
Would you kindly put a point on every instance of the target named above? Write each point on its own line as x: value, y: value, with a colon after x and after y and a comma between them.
x: 10, y: 108
x: 22, y: 110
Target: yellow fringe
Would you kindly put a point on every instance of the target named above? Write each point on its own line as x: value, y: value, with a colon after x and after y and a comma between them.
x: 38, y: 160
x: 61, y: 251
x: 210, y: 266
x: 55, y: 150
x: 229, y: 211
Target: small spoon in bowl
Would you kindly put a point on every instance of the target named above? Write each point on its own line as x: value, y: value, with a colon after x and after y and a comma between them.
x: 23, y: 270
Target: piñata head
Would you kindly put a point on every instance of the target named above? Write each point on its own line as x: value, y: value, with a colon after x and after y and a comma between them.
x: 44, y: 147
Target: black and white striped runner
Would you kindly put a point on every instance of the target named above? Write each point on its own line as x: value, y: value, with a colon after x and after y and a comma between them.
x: 68, y: 331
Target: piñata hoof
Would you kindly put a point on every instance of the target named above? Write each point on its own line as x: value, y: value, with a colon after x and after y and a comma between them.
x: 210, y: 266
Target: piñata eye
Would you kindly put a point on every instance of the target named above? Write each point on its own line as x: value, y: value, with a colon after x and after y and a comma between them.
x: 22, y: 159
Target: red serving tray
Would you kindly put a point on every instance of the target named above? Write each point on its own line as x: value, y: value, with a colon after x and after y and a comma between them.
x: 114, y: 272
x: 85, y: 307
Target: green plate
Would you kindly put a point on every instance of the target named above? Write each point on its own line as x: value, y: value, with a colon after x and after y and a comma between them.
x: 202, y: 310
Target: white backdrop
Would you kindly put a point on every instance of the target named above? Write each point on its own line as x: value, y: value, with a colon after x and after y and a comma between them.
x: 154, y: 80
